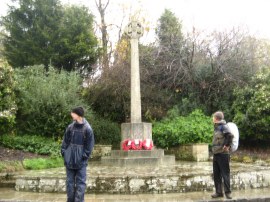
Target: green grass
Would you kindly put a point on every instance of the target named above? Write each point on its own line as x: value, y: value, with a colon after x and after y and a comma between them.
x: 43, y: 163
x: 31, y: 164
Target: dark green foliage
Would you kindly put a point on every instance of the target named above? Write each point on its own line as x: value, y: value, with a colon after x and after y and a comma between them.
x: 110, y: 101
x: 77, y: 46
x: 169, y: 31
x: 32, y: 143
x: 7, y: 98
x: 44, y: 32
x: 32, y: 31
x: 156, y: 98
x: 45, y: 100
x: 177, y: 130
x: 106, y: 131
x: 252, y: 107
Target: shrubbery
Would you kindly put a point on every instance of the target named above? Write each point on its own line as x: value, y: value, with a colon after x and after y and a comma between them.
x: 7, y: 98
x: 177, y: 130
x: 252, y: 107
x: 106, y: 131
x: 30, y: 143
x: 45, y: 100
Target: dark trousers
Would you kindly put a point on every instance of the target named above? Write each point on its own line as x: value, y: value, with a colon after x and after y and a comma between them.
x: 76, y: 184
x: 221, y: 169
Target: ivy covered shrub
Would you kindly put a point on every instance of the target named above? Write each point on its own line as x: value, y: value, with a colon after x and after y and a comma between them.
x: 177, y: 130
x: 7, y: 98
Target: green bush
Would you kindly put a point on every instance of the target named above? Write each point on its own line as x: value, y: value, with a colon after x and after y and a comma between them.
x: 45, y: 100
x: 252, y: 107
x: 43, y: 163
x: 106, y: 131
x: 173, y: 131
x: 30, y: 143
x: 7, y: 98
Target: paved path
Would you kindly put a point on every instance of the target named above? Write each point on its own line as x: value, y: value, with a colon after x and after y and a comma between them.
x: 252, y: 195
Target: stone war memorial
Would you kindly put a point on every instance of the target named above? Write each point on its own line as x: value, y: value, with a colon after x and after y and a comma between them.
x: 136, y: 131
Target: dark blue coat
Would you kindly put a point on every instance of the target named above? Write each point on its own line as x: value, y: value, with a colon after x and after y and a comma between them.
x: 77, y: 145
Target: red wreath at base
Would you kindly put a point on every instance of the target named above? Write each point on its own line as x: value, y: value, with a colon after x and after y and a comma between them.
x: 147, y: 144
x: 126, y: 145
x: 136, y: 144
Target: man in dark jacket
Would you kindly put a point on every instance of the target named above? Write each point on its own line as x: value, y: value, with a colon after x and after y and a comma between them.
x: 222, y: 140
x: 76, y: 148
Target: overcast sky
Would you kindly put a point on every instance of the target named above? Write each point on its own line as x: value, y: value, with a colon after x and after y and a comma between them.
x: 205, y: 15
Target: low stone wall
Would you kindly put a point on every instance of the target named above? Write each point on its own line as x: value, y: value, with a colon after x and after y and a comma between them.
x: 7, y: 180
x: 101, y: 151
x: 146, y: 184
x: 191, y: 152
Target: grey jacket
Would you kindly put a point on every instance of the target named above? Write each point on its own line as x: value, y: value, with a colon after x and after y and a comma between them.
x: 222, y: 137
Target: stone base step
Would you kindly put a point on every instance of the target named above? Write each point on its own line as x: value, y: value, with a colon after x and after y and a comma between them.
x: 138, y: 158
x: 142, y: 161
x: 168, y: 160
x: 137, y: 153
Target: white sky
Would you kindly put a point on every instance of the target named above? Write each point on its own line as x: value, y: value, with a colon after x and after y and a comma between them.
x: 205, y: 15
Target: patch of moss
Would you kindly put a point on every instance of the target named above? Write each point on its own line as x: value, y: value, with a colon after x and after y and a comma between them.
x: 247, y: 159
x: 186, y: 156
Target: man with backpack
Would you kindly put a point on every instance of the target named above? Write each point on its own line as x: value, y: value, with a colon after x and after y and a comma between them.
x: 76, y: 148
x: 222, y: 141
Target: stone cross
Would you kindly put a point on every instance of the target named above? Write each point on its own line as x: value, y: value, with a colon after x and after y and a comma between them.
x: 135, y: 30
x: 136, y: 129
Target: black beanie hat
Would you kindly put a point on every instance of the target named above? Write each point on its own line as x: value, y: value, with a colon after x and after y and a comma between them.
x: 79, y: 111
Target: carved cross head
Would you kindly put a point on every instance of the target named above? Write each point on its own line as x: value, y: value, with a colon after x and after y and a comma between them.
x: 134, y: 30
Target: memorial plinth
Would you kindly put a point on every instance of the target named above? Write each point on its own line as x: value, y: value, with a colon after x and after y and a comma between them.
x: 136, y: 131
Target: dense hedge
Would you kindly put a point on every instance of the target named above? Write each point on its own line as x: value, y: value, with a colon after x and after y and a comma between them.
x: 32, y: 143
x: 45, y: 99
x: 106, y: 131
x: 252, y: 107
x: 194, y: 128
